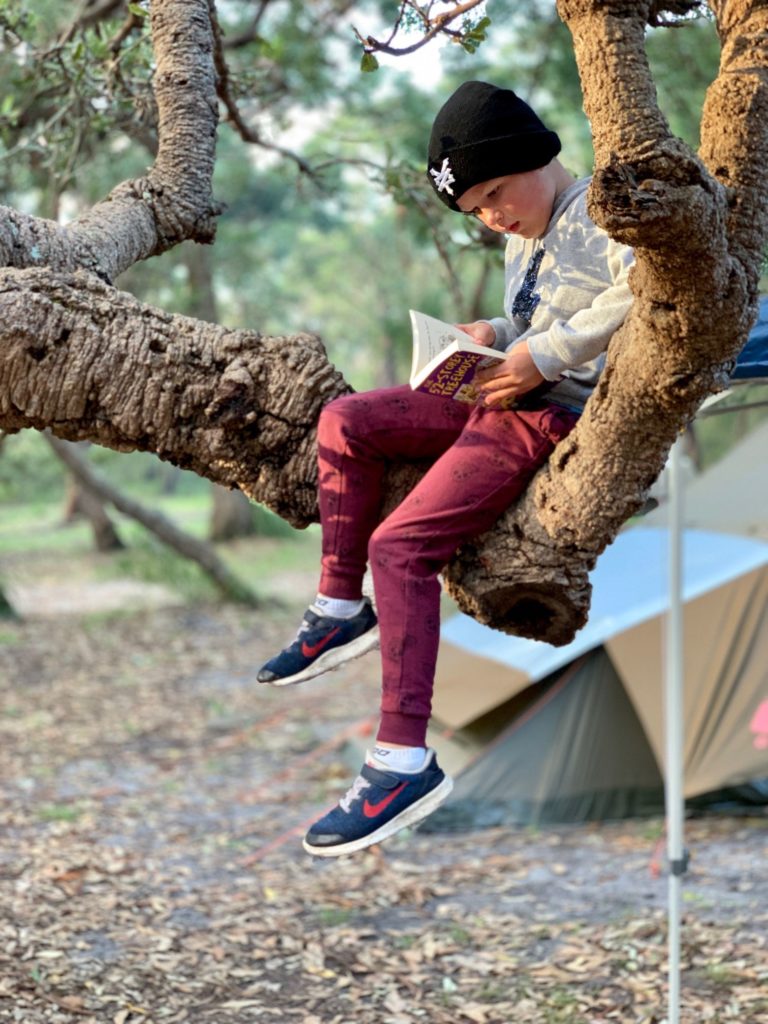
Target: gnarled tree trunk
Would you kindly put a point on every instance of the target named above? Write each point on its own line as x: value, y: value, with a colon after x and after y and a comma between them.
x: 88, y: 361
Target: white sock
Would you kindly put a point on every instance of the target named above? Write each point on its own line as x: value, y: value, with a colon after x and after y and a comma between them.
x: 337, y: 607
x: 399, y: 759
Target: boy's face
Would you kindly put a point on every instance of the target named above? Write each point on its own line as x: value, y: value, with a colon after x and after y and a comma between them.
x: 515, y: 204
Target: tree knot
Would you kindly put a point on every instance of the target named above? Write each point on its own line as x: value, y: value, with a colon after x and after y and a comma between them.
x: 233, y: 401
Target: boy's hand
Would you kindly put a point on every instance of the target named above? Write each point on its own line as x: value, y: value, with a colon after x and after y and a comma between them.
x: 505, y: 381
x: 480, y: 331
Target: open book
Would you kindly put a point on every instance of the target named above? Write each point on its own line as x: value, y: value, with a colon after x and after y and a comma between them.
x: 445, y: 359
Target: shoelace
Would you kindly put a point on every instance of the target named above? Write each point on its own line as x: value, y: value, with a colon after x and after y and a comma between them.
x: 353, y: 793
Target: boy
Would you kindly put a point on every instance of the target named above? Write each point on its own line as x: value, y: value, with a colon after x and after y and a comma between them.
x: 566, y: 293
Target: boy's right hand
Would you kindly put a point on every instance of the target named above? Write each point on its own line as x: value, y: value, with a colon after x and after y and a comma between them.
x: 480, y: 331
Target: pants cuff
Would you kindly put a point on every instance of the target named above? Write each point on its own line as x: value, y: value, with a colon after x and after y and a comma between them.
x: 343, y: 589
x: 405, y: 729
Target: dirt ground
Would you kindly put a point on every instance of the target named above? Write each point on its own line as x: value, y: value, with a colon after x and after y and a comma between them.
x: 151, y: 870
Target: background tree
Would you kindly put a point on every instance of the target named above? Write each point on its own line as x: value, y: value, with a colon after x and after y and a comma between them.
x: 240, y: 406
x: 79, y: 503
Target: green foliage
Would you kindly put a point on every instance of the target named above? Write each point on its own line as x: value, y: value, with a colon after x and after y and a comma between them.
x: 28, y: 469
x: 474, y: 33
x: 64, y: 100
x: 30, y: 472
x: 267, y: 524
x: 718, y: 432
x: 684, y: 62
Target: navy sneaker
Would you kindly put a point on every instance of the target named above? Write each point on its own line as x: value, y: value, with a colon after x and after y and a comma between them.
x: 379, y: 804
x: 322, y: 643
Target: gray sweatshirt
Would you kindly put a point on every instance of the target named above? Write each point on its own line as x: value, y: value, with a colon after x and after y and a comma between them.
x: 570, y: 308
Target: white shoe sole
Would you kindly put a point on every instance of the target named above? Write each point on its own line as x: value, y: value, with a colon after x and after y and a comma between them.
x: 410, y: 816
x: 332, y: 659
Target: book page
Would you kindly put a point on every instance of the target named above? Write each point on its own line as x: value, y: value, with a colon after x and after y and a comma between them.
x: 431, y: 336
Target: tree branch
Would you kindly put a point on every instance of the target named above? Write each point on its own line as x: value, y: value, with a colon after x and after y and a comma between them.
x: 91, y: 12
x: 241, y: 409
x: 734, y: 129
x: 432, y: 27
x: 92, y: 362
x: 174, y: 202
x: 223, y: 88
x: 249, y: 34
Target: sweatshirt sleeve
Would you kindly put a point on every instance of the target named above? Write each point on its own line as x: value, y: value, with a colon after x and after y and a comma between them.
x: 570, y: 343
x: 506, y: 332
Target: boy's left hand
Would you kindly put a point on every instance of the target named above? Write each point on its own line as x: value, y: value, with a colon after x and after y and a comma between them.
x: 504, y: 381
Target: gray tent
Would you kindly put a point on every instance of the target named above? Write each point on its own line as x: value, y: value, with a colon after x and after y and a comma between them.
x: 534, y: 733
x: 732, y: 496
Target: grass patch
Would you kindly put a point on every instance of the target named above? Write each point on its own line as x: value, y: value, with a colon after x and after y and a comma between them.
x: 459, y: 935
x: 721, y: 975
x: 30, y: 533
x: 38, y: 525
x: 150, y: 562
x: 653, y: 830
x: 59, y: 812
x: 332, y: 917
x: 560, y: 1005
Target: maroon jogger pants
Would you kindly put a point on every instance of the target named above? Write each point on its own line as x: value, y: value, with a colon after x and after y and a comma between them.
x: 483, y: 459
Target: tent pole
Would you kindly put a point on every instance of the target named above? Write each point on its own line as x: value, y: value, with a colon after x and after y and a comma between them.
x: 673, y: 691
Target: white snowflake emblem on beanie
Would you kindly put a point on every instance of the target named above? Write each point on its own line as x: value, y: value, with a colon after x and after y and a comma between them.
x: 444, y: 178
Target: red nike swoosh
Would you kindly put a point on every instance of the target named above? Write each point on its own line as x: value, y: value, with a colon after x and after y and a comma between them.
x: 371, y: 810
x: 310, y: 650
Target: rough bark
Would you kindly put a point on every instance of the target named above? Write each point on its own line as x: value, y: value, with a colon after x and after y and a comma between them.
x: 91, y: 362
x: 232, y: 515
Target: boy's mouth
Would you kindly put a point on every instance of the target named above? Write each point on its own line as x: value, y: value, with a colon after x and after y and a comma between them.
x: 512, y: 228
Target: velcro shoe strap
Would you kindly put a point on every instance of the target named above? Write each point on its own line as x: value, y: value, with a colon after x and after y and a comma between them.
x: 379, y: 778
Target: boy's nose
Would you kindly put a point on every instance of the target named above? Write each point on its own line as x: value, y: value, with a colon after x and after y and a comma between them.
x: 489, y: 216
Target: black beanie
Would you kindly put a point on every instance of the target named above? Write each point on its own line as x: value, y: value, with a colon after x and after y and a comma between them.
x: 484, y: 132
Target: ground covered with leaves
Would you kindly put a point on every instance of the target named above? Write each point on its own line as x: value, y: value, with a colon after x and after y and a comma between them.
x: 151, y: 870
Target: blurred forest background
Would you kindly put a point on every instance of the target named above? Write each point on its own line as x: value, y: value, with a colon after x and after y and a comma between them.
x: 330, y: 227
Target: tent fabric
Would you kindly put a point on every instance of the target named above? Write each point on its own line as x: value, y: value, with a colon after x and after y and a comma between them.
x: 577, y: 754
x: 577, y: 732
x: 731, y: 496
x: 629, y: 586
x: 726, y: 681
x: 752, y: 362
